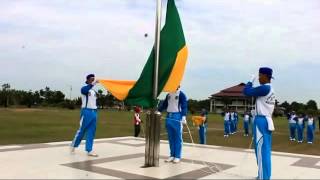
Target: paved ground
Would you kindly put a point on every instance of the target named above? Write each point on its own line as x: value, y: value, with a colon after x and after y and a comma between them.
x: 122, y: 158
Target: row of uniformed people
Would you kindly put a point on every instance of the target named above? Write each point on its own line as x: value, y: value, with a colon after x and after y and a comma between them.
x: 231, y: 120
x: 297, y: 126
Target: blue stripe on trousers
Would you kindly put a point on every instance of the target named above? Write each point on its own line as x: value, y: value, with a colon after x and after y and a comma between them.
x: 262, y: 141
x: 87, y: 127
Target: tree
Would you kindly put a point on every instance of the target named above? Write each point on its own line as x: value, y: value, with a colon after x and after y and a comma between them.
x: 298, y: 107
x: 37, y: 98
x: 196, y: 105
x: 287, y: 106
x: 78, y: 102
x: 56, y: 97
x: 6, y: 94
x: 193, y: 105
x: 312, y: 105
x: 110, y: 100
x: 28, y: 99
x: 100, y: 98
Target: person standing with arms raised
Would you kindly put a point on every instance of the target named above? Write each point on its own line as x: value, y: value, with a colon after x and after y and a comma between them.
x: 88, y: 116
x: 263, y: 123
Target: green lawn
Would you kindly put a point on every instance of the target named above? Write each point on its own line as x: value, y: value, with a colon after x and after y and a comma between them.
x: 24, y: 126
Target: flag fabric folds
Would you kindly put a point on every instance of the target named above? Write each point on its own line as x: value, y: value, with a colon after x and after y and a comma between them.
x: 172, y: 61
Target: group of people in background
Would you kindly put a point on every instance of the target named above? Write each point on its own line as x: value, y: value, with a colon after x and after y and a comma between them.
x: 231, y: 119
x: 298, y: 124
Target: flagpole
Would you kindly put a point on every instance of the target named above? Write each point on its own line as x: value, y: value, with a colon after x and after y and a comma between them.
x: 152, y: 149
x: 157, y: 50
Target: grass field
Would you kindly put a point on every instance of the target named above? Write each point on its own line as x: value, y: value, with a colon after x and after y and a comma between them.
x: 25, y: 126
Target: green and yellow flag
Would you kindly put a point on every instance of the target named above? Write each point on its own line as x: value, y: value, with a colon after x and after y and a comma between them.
x: 172, y: 61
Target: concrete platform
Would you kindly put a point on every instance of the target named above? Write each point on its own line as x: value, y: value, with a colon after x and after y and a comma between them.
x: 122, y: 158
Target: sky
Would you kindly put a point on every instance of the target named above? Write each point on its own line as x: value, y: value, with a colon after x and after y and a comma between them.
x: 57, y: 43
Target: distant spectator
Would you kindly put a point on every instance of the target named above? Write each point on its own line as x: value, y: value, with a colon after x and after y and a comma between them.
x: 203, y: 127
x: 137, y: 121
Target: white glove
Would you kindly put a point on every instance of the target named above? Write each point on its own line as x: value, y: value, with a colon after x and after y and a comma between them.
x: 253, y: 78
x: 95, y: 82
x: 184, y: 120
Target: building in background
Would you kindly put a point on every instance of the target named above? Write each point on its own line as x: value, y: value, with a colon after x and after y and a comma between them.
x: 231, y: 98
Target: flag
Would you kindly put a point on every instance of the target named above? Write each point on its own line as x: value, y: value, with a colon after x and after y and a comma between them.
x: 172, y: 61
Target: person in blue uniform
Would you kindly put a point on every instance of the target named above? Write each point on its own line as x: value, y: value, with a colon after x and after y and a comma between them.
x: 203, y: 127
x: 263, y: 123
x: 227, y: 123
x: 310, y: 130
x: 88, y: 116
x: 293, y: 126
x: 246, y: 120
x: 176, y: 105
x: 300, y: 128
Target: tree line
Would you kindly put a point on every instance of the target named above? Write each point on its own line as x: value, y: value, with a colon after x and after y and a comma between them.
x: 309, y: 107
x: 52, y: 98
x: 46, y: 97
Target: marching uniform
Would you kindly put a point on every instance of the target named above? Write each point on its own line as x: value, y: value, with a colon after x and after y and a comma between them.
x: 246, y: 124
x: 300, y: 129
x: 310, y: 130
x: 293, y: 127
x: 227, y: 124
x: 88, y: 120
x: 176, y: 106
x: 263, y: 123
x: 203, y: 128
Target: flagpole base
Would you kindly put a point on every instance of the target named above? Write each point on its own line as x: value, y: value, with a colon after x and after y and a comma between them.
x: 152, y: 149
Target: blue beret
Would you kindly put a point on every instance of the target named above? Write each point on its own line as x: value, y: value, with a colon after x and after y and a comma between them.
x: 90, y: 76
x: 267, y: 71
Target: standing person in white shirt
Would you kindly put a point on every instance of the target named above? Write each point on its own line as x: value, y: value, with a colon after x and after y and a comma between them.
x: 88, y: 120
x: 310, y: 130
x: 227, y: 123
x: 176, y: 105
x: 137, y: 121
x: 300, y: 128
x: 293, y: 126
x: 263, y: 123
x: 246, y: 119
